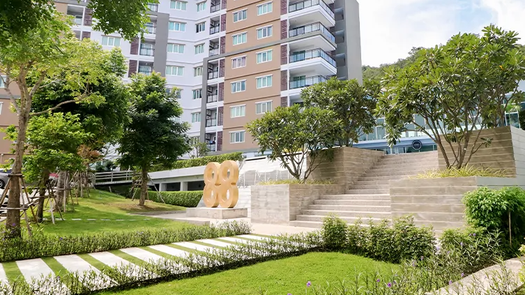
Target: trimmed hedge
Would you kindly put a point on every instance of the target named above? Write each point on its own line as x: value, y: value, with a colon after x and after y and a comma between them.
x: 202, y: 161
x: 178, y: 198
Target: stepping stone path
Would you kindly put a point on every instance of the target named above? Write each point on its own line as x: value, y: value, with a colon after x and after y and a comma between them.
x: 38, y: 269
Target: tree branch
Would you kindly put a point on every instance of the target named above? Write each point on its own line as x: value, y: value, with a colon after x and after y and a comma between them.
x: 53, y: 108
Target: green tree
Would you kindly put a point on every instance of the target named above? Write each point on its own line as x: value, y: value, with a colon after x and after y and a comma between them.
x: 152, y: 136
x: 19, y: 17
x: 454, y: 89
x: 351, y: 103
x: 46, y: 52
x: 52, y: 145
x: 296, y: 137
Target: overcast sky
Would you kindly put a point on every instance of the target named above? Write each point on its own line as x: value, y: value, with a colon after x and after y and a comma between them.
x: 390, y: 28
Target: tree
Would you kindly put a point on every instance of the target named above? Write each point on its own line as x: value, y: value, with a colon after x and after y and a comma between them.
x: 352, y: 104
x: 152, y: 136
x: 199, y: 149
x: 46, y: 52
x: 52, y: 145
x: 377, y: 73
x: 454, y: 89
x: 295, y: 136
x: 19, y: 17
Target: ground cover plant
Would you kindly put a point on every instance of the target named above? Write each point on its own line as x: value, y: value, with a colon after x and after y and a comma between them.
x: 465, y: 171
x: 177, y: 198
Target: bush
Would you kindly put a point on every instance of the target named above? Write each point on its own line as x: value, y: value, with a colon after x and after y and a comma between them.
x: 334, y: 233
x: 494, y: 209
x: 465, y: 171
x: 203, y: 161
x: 41, y: 245
x: 177, y: 198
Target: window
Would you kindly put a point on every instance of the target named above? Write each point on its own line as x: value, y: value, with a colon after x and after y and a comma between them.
x: 240, y: 15
x: 145, y: 69
x: 197, y: 71
x: 238, y: 86
x: 151, y: 27
x: 2, y: 79
x: 199, y: 48
x: 240, y: 38
x: 263, y: 107
x: 264, y: 8
x: 200, y: 27
x: 147, y: 49
x: 237, y: 136
x: 195, y: 117
x: 238, y: 111
x: 177, y: 93
x: 177, y: 26
x: 264, y: 56
x: 153, y: 7
x: 174, y: 71
x: 197, y: 93
x: 201, y: 6
x: 264, y: 32
x: 110, y: 41
x: 175, y: 48
x: 264, y: 82
x: 239, y: 62
x: 179, y: 5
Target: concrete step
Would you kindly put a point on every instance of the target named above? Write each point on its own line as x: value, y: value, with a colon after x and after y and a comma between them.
x: 368, y: 191
x: 385, y: 197
x: 350, y: 208
x: 342, y: 213
x: 396, y: 172
x: 360, y: 185
x: 357, y: 202
x: 348, y: 219
x: 408, y: 169
x: 310, y: 224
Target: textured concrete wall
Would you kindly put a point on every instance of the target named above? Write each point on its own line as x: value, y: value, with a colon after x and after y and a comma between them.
x: 279, y: 204
x: 438, y: 202
x: 518, y: 145
x: 347, y: 166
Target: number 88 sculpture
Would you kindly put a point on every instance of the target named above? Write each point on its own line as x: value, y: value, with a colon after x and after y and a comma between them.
x: 221, y: 184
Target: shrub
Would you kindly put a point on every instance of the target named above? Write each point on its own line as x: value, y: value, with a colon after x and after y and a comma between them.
x: 295, y: 181
x: 178, y: 198
x: 203, y: 161
x: 498, y: 211
x: 334, y: 233
x: 464, y: 171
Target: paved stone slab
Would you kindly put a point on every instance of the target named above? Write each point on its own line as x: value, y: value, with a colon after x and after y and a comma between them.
x: 109, y: 259
x: 74, y: 263
x: 194, y: 246
x: 252, y: 237
x: 169, y: 250
x: 215, y: 243
x: 3, y: 276
x: 34, y: 269
x: 142, y: 254
x: 235, y: 240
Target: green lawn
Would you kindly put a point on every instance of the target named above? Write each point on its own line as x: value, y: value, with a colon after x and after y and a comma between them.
x: 104, y: 205
x: 281, y: 277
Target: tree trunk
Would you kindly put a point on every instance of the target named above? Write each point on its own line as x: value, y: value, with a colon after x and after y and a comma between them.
x: 60, y: 191
x: 13, y: 215
x: 42, y: 194
x: 143, y: 187
x: 67, y: 188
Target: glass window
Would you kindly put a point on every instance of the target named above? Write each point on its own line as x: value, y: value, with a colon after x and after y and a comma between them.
x: 264, y: 8
x: 199, y: 48
x: 147, y: 49
x: 201, y: 6
x: 179, y: 5
x: 238, y: 86
x: 145, y: 69
x: 197, y: 93
x: 200, y: 27
x: 238, y: 111
x: 237, y: 136
x: 264, y: 56
x: 240, y: 38
x: 175, y: 48
x: 177, y: 26
x: 151, y: 27
x: 197, y: 71
x: 264, y: 32
x: 196, y: 117
x: 263, y: 107
x: 264, y: 82
x: 238, y: 62
x: 240, y: 15
x: 174, y: 71
x: 111, y: 41
x: 2, y: 79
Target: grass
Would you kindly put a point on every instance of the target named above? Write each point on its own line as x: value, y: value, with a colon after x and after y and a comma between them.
x: 283, y: 276
x: 465, y: 171
x: 104, y: 205
x: 295, y: 181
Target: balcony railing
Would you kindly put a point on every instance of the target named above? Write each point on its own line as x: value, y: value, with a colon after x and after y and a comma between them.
x: 306, y: 82
x: 147, y: 51
x: 312, y: 28
x: 213, y: 75
x: 212, y: 147
x: 315, y: 53
x: 153, y: 7
x: 214, y: 8
x: 212, y: 98
x: 215, y: 30
x: 214, y: 51
x: 211, y: 122
x: 309, y: 3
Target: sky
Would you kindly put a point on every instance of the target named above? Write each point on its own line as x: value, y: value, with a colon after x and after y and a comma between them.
x: 390, y: 28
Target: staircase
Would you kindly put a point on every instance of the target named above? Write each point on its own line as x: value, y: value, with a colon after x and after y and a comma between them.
x: 369, y: 197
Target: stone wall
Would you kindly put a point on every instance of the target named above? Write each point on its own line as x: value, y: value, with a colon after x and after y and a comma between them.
x: 347, y: 166
x: 279, y: 204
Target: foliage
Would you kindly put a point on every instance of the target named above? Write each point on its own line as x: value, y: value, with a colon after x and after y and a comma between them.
x: 105, y: 166
x: 152, y: 136
x: 41, y: 245
x: 377, y: 73
x: 203, y: 161
x: 295, y: 181
x: 465, y: 171
x: 17, y: 17
x: 498, y: 211
x: 296, y: 136
x: 199, y: 149
x: 454, y: 89
x: 177, y: 198
x: 351, y: 103
x: 381, y: 241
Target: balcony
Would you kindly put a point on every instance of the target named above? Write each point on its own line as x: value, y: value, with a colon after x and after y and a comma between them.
x: 215, y: 30
x: 325, y: 42
x: 301, y: 82
x: 305, y: 11
x: 211, y: 122
x: 312, y: 28
x: 147, y: 49
x: 213, y: 75
x: 214, y: 51
x: 153, y: 7
x: 316, y: 60
x: 215, y: 8
x: 212, y: 98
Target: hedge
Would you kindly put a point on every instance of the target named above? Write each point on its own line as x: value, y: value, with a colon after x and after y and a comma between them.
x: 203, y: 161
x: 178, y: 198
